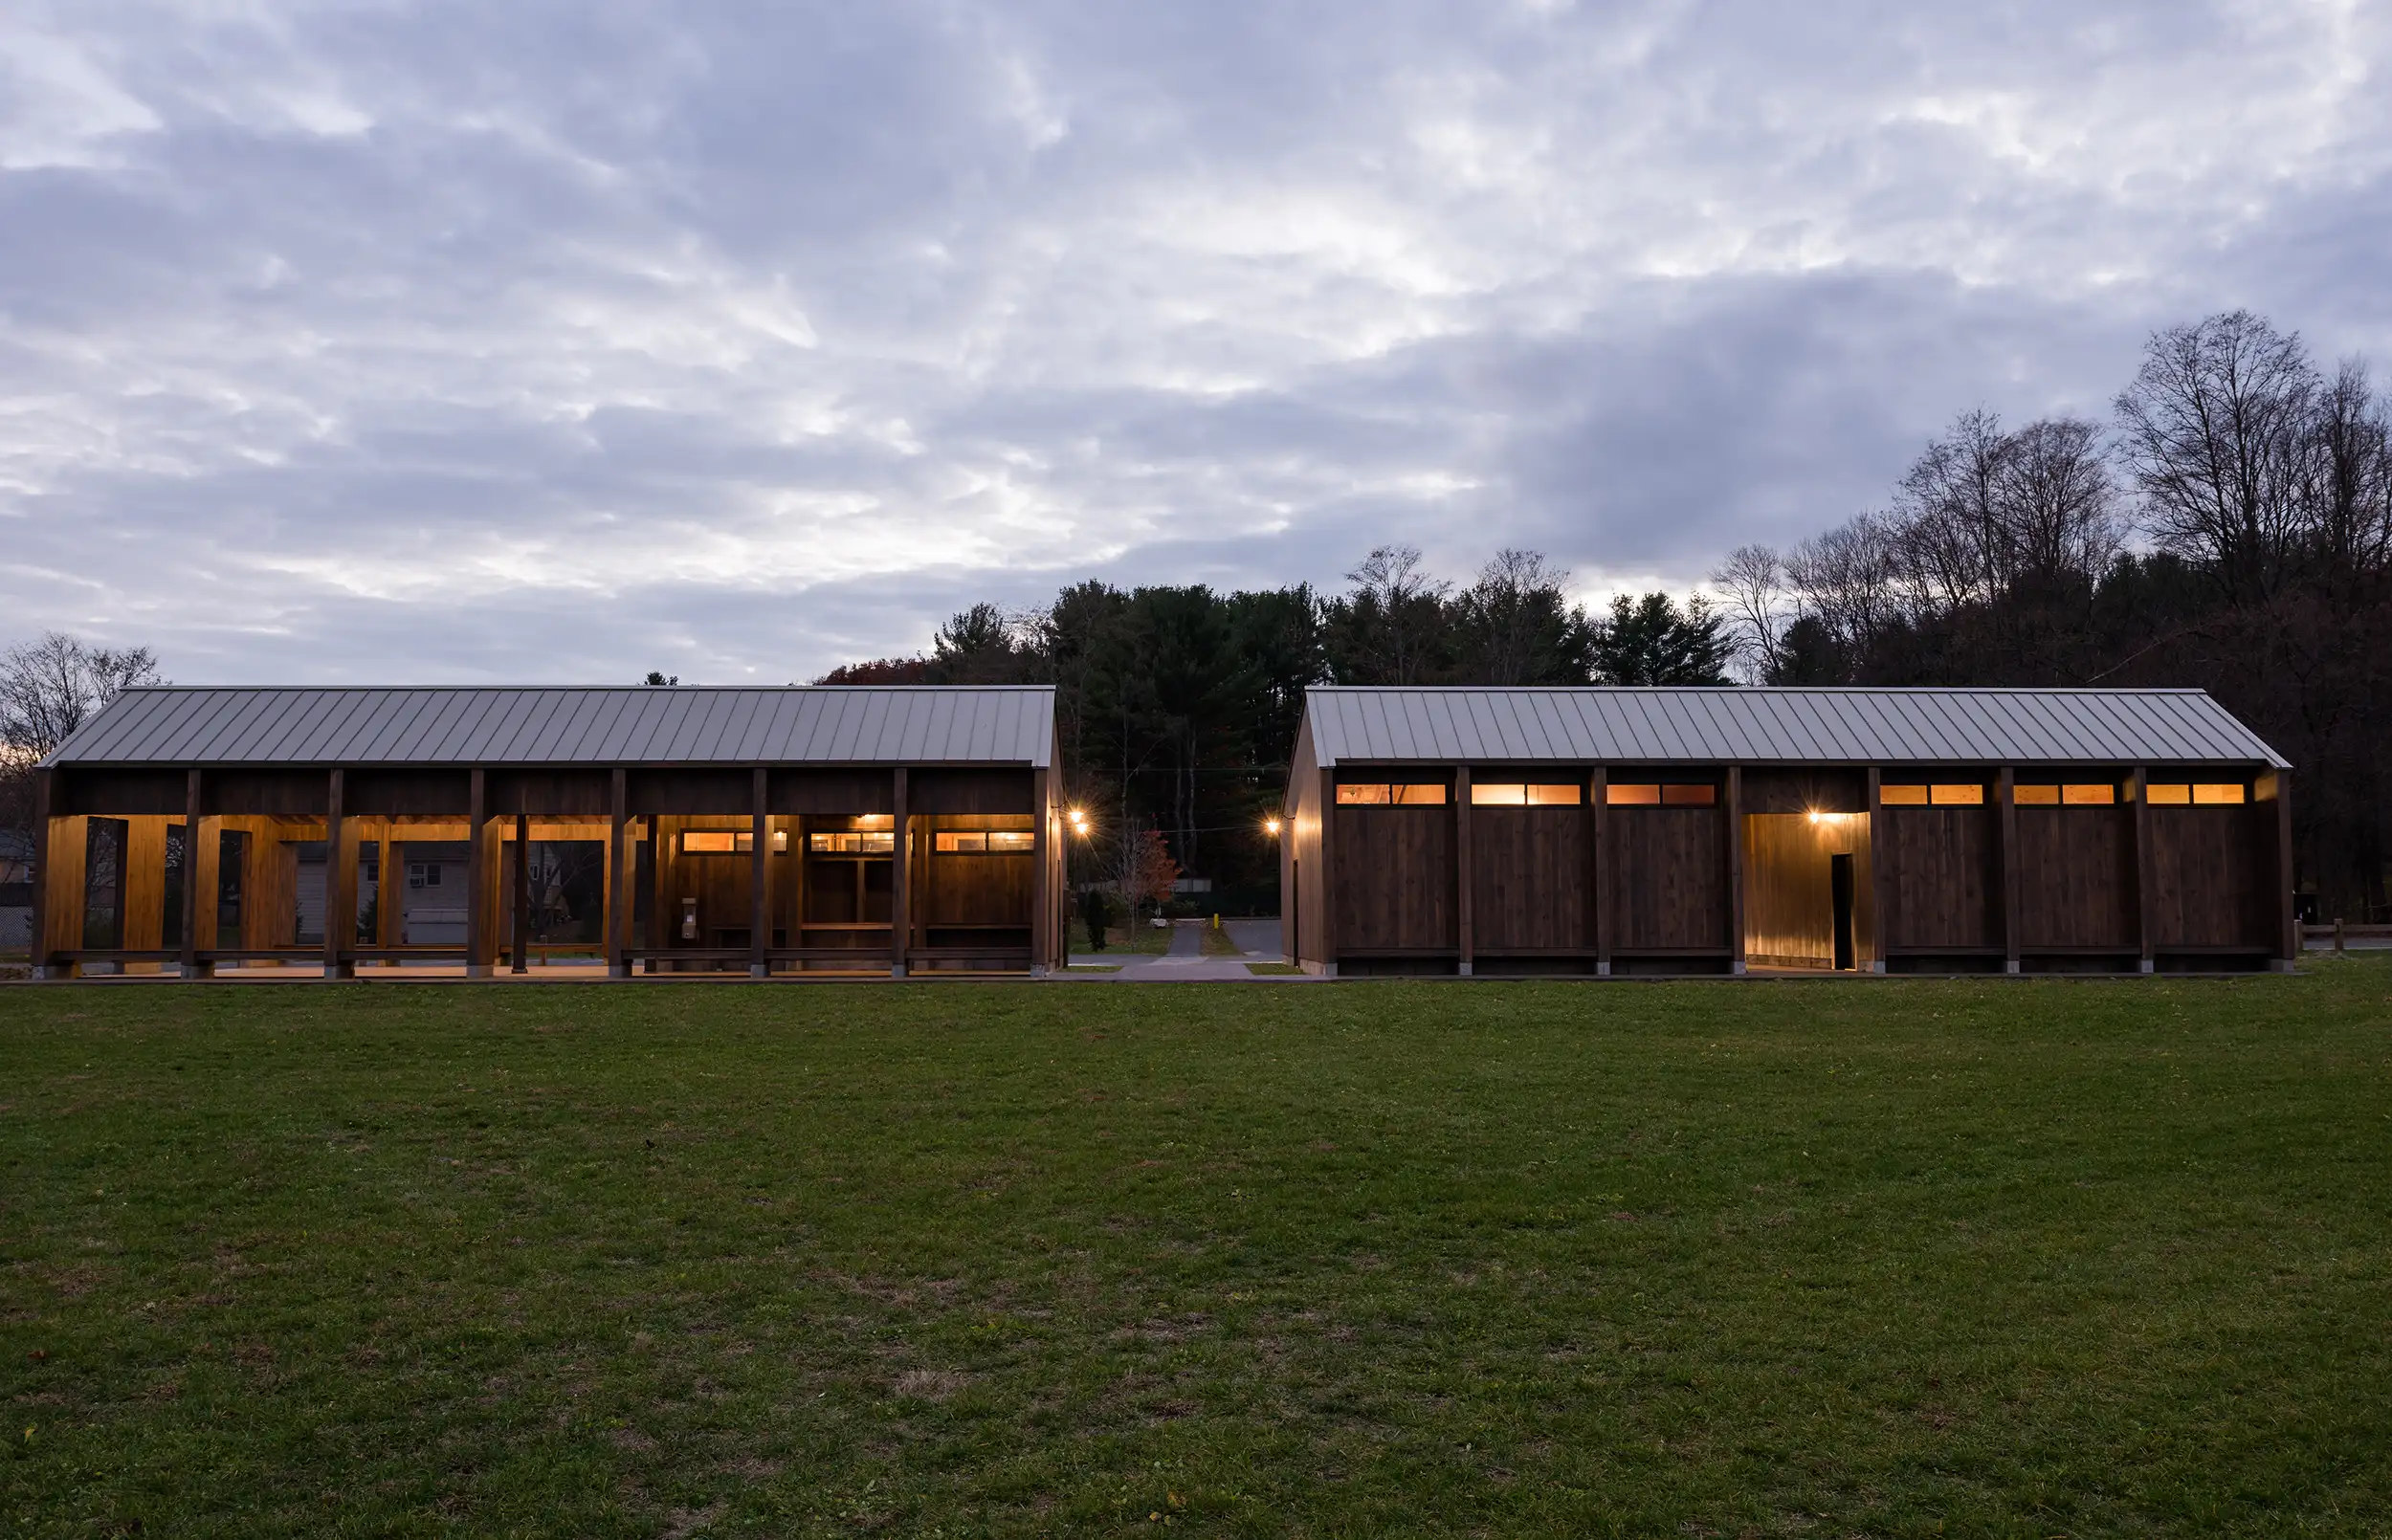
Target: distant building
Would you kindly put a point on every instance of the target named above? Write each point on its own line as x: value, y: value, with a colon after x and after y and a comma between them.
x: 1713, y: 830
x: 767, y: 831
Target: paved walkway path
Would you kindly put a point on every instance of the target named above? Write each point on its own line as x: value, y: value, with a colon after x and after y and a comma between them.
x: 1257, y: 939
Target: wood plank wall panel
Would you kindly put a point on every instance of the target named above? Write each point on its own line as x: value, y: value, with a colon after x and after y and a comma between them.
x: 143, y: 895
x: 1669, y: 888
x: 406, y: 793
x: 1529, y: 878
x: 289, y: 792
x: 971, y: 791
x: 1789, y: 897
x: 833, y: 793
x: 552, y: 793
x: 1942, y: 877
x: 1393, y: 878
x: 691, y: 792
x: 62, y: 878
x: 1801, y: 791
x: 2076, y: 877
x: 123, y: 793
x: 2212, y: 874
x: 980, y: 890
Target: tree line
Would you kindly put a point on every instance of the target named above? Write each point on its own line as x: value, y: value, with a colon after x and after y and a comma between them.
x: 2228, y: 526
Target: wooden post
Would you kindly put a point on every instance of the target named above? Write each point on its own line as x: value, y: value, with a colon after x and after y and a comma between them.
x: 1324, y: 880
x: 519, y: 921
x: 1882, y: 910
x: 478, y: 950
x: 1464, y: 938
x: 390, y: 890
x: 1042, y: 884
x: 1735, y: 868
x: 192, y: 845
x: 901, y: 885
x: 1598, y: 901
x: 45, y: 875
x: 2288, y: 913
x: 759, y: 874
x: 340, y: 883
x: 2134, y: 789
x: 618, y: 880
x: 2005, y: 829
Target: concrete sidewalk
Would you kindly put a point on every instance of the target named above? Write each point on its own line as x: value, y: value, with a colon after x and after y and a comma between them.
x: 1185, y: 963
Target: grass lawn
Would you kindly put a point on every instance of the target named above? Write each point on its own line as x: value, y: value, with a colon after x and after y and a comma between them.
x: 1895, y: 1259
x: 1139, y: 940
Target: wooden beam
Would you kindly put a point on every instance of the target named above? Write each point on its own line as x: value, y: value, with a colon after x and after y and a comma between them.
x: 2005, y: 830
x: 2136, y: 789
x: 1880, y: 871
x: 759, y: 874
x: 45, y: 872
x: 1464, y: 934
x: 2289, y: 932
x: 1042, y: 884
x: 520, y: 926
x: 478, y: 950
x: 618, y: 879
x: 900, y: 883
x: 193, y: 822
x: 1324, y: 880
x: 1735, y: 868
x: 1598, y: 902
x: 340, y: 882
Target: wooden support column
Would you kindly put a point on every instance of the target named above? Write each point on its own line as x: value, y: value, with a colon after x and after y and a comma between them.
x: 1735, y: 868
x: 389, y: 889
x: 193, y: 842
x: 760, y: 878
x: 520, y: 924
x: 2137, y: 790
x: 2005, y: 830
x: 478, y: 941
x: 1042, y: 883
x: 45, y: 876
x: 1598, y: 901
x: 901, y: 886
x: 1465, y: 937
x: 1324, y: 880
x: 2277, y: 785
x: 340, y: 882
x: 618, y: 879
x: 1881, y: 906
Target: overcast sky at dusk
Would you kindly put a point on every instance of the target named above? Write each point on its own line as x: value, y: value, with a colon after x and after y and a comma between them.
x: 457, y: 342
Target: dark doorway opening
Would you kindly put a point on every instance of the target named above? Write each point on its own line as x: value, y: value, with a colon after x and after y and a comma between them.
x: 1840, y: 881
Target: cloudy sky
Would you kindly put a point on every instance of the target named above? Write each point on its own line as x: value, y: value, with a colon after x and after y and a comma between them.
x: 556, y: 341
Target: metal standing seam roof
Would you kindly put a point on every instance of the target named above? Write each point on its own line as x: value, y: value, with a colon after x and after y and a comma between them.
x: 820, y: 724
x: 1778, y: 726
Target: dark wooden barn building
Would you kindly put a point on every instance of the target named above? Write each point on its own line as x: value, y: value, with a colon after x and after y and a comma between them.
x: 757, y: 831
x: 1697, y: 831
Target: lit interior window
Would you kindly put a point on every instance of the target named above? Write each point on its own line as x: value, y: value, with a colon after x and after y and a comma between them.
x: 1631, y: 795
x: 1402, y: 796
x: 709, y: 842
x: 1945, y: 796
x: 1689, y: 796
x: 2219, y: 794
x: 2080, y: 794
x: 1902, y: 796
x: 1497, y: 793
x: 956, y: 842
x: 1555, y: 796
x: 2027, y: 796
x: 2163, y: 794
x: 856, y: 842
x: 1015, y: 840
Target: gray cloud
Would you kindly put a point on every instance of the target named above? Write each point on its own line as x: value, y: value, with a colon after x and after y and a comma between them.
x: 552, y: 342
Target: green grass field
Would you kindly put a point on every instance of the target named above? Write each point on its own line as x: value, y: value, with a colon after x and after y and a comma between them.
x: 1890, y: 1259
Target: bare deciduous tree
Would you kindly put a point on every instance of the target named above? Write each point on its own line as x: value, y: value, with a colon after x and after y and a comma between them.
x: 50, y: 688
x: 1752, y: 585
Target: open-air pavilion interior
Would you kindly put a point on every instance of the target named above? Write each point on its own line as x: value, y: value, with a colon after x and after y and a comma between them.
x: 421, y: 833
x: 1486, y: 831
